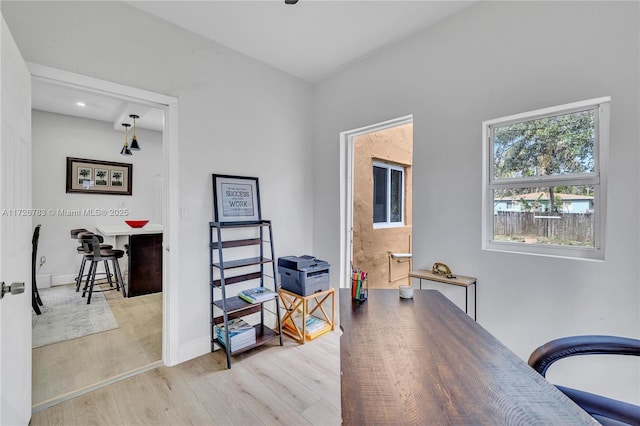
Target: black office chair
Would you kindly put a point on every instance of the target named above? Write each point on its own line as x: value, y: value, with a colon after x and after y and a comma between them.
x: 605, y: 410
x: 36, y: 302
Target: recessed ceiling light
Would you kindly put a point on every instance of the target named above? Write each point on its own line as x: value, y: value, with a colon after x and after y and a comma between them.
x: 81, y: 104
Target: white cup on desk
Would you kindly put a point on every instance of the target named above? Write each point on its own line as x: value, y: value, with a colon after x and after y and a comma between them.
x: 406, y: 291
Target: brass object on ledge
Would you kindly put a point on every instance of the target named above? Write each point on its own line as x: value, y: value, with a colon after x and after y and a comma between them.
x: 442, y: 269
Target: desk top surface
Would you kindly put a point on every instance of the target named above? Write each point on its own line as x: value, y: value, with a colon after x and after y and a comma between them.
x: 124, y: 229
x: 424, y: 361
x: 460, y: 280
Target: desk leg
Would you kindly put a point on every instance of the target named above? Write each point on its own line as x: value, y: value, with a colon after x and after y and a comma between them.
x: 466, y: 300
x: 475, y: 300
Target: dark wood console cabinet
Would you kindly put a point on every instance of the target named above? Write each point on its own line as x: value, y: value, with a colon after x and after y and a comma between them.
x: 145, y: 264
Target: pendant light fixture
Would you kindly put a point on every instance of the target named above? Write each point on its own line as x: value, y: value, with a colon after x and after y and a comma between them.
x: 134, y: 140
x: 125, y: 148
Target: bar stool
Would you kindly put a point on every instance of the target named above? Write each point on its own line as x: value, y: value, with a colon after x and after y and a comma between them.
x: 80, y: 250
x: 95, y: 255
x: 86, y: 247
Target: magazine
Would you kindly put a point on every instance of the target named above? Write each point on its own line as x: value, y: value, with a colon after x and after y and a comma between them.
x: 241, y: 334
x: 257, y: 295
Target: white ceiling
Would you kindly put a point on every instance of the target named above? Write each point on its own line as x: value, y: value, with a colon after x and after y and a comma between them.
x: 311, y: 40
x: 53, y: 97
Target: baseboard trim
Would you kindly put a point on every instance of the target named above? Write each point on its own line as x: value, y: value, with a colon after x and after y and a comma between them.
x: 70, y: 395
x: 43, y: 281
x: 194, y: 349
x: 63, y: 279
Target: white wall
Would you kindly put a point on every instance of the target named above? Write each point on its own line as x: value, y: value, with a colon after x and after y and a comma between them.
x: 241, y: 117
x: 490, y: 60
x: 264, y: 132
x: 237, y: 116
x: 56, y: 137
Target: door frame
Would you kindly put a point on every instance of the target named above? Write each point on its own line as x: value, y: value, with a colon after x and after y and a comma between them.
x: 346, y: 189
x: 170, y: 265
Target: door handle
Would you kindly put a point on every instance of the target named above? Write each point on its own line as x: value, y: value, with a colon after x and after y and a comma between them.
x: 14, y: 288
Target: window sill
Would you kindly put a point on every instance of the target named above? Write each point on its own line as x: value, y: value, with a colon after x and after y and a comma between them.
x: 562, y: 252
x: 388, y: 225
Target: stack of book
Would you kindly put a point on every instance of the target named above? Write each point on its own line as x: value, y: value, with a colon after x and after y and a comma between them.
x: 257, y: 295
x: 241, y: 334
x: 314, y: 326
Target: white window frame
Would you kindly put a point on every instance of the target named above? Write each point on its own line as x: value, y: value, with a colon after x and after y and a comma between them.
x: 389, y: 167
x: 598, y: 178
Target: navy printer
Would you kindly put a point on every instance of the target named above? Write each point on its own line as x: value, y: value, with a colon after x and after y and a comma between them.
x: 303, y: 275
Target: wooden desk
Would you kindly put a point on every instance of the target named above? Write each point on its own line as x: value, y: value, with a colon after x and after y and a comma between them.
x: 423, y: 361
x: 459, y: 280
x: 144, y: 260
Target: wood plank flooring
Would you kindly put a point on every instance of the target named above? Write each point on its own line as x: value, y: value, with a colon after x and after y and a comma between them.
x: 272, y: 385
x: 66, y: 367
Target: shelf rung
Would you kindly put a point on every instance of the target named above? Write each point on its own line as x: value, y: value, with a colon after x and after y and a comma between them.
x: 236, y: 243
x: 240, y: 224
x: 239, y: 263
x: 238, y: 279
x: 250, y: 309
x: 236, y: 305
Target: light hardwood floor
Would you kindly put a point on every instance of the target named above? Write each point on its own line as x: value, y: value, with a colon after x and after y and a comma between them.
x: 271, y: 385
x: 63, y: 368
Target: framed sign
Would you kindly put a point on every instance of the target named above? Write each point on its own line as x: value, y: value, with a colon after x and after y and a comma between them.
x: 235, y: 199
x: 98, y: 177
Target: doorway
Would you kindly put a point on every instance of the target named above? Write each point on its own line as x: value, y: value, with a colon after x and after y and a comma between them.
x: 376, y: 202
x: 164, y: 343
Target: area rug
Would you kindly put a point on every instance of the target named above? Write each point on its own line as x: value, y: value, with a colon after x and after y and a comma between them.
x: 66, y: 315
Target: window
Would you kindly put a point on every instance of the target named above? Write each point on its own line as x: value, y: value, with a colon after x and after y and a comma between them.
x: 388, y: 195
x: 544, y: 180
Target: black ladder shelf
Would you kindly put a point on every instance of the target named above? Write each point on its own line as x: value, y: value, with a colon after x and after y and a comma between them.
x: 224, y: 308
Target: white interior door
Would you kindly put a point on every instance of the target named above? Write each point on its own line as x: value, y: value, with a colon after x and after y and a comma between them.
x: 15, y: 233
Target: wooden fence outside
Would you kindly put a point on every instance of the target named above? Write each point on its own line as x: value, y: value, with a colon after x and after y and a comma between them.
x: 562, y: 228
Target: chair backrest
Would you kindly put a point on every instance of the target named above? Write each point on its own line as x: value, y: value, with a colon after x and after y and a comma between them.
x: 91, y: 244
x: 555, y: 350
x: 75, y: 232
x: 34, y: 251
x: 36, y: 237
x: 605, y: 410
